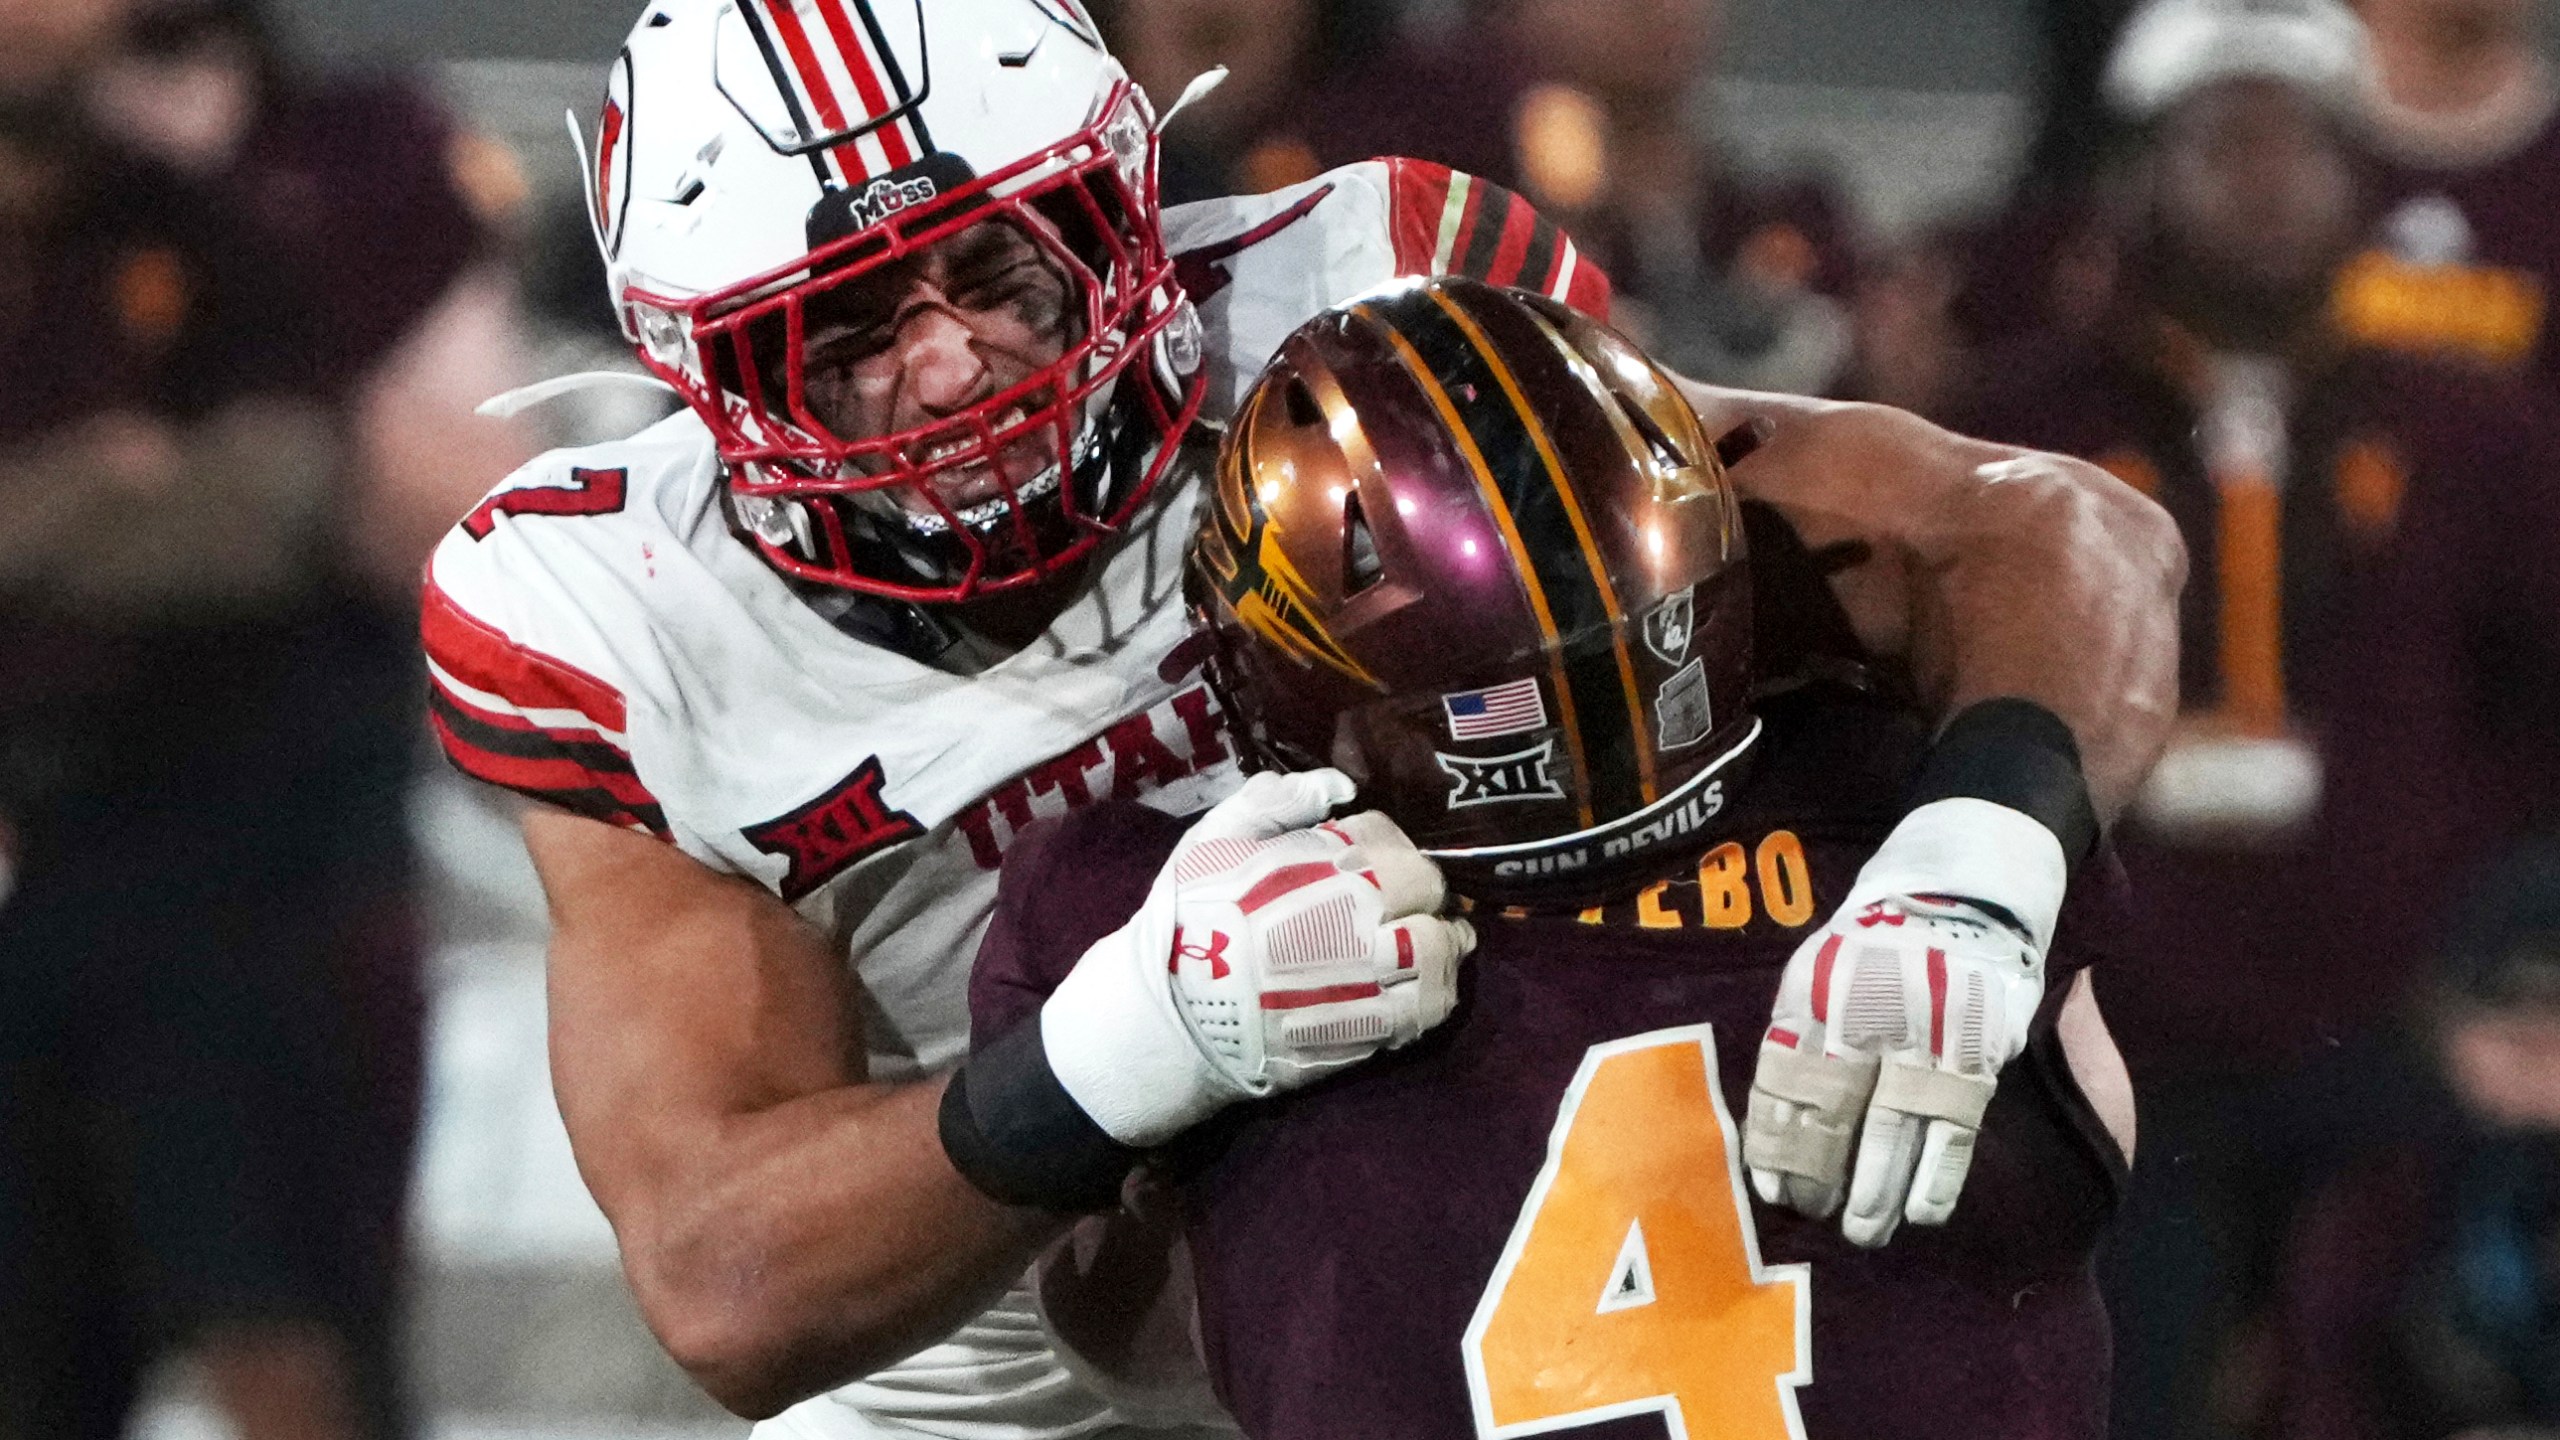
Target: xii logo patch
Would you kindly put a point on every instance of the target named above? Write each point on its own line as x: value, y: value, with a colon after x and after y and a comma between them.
x: 1499, y: 779
x: 824, y: 838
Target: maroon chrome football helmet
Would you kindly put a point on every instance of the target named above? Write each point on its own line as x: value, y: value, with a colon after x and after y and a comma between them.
x: 1473, y: 548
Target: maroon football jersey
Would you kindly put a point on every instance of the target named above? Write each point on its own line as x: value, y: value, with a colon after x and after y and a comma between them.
x: 1536, y: 1218
x: 2461, y: 262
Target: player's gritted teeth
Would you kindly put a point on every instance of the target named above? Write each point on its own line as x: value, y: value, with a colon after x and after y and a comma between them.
x: 968, y: 318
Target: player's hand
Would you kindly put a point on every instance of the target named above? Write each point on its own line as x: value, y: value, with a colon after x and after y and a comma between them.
x: 1894, y: 1020
x: 1275, y: 948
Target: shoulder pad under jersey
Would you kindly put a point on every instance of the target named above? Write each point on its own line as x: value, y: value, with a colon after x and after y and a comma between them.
x: 1260, y: 266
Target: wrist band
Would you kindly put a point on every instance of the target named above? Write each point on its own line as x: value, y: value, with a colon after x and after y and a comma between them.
x: 2015, y: 753
x: 1012, y: 1131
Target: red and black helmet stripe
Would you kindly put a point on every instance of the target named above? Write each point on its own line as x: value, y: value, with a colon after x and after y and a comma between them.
x: 1540, y: 505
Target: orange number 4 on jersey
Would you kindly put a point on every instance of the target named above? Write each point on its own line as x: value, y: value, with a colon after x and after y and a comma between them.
x: 1632, y: 1282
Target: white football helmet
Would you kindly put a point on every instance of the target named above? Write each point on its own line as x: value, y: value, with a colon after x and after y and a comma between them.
x: 757, y: 154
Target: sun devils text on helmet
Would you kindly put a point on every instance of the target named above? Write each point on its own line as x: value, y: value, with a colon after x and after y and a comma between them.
x: 1472, y: 547
x: 773, y: 175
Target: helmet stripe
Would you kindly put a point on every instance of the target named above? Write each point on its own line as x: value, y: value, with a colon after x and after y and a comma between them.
x: 1528, y: 485
x: 1619, y: 630
x: 863, y: 70
x: 1521, y: 562
x: 803, y: 84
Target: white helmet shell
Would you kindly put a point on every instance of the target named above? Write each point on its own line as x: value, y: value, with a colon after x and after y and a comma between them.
x: 754, y: 152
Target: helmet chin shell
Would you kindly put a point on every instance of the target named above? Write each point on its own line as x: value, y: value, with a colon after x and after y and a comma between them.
x: 1472, y: 548
x: 740, y: 178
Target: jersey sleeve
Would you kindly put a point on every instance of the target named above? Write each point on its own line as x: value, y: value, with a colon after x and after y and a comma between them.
x: 507, y: 702
x: 1446, y: 222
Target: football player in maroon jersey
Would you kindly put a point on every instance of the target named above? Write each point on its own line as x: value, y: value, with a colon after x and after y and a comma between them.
x: 1473, y: 555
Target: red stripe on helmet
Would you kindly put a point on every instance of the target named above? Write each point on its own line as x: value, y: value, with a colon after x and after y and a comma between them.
x: 894, y: 146
x: 804, y: 58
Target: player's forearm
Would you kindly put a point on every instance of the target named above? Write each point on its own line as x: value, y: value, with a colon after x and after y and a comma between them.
x: 2061, y: 587
x: 816, y: 1242
x: 1993, y: 571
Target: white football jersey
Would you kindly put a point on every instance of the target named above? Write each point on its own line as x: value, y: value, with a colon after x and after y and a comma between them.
x: 599, y: 639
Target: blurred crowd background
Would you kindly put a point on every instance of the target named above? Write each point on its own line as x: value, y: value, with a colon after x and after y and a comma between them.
x: 276, y: 1150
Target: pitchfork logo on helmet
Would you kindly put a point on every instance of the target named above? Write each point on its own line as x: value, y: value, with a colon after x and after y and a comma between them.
x: 785, y: 189
x: 1475, y: 503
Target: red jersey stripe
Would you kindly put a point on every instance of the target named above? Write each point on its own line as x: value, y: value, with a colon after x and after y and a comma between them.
x: 519, y: 773
x: 1417, y: 194
x: 1514, y: 248
x: 1590, y: 292
x: 518, y: 724
x: 482, y: 657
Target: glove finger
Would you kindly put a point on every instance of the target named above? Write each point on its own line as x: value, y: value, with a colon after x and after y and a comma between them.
x: 1812, y: 1198
x: 1409, y: 884
x: 1424, y: 986
x: 1271, y: 803
x: 1888, y: 1150
x: 1801, y: 1119
x: 1769, y: 1185
x: 1423, y: 947
x: 1946, y: 1155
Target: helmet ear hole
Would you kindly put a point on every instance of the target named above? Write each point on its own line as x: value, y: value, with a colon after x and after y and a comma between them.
x: 1303, y: 410
x: 1650, y: 430
x: 1361, y: 567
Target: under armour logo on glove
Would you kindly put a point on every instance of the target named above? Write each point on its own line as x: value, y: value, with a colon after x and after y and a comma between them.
x: 1893, y: 1022
x: 1275, y: 947
x: 1213, y: 954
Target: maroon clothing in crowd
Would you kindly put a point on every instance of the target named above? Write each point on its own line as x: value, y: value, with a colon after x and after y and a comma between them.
x: 210, y: 1008
x: 2420, y: 605
x: 1344, y: 1236
x: 2463, y: 262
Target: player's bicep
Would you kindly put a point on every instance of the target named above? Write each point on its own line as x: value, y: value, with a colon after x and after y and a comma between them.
x: 681, y: 1002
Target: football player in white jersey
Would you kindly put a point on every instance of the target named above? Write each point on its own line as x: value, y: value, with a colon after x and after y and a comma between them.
x: 788, y: 672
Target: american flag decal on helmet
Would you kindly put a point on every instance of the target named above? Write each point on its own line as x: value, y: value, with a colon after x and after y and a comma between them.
x: 851, y: 101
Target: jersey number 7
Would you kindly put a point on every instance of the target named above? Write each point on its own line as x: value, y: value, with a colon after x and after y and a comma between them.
x: 589, y: 492
x: 1632, y: 1282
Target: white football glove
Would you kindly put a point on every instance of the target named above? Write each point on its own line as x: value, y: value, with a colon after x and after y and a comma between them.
x: 1893, y: 1020
x: 1275, y: 948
